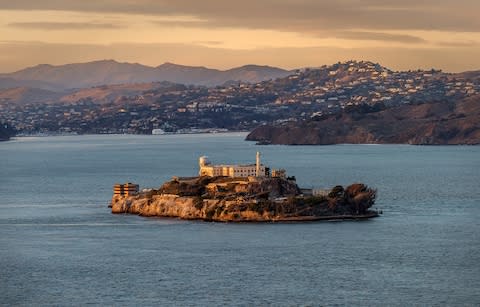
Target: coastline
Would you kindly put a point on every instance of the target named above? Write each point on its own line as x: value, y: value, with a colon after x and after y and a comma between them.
x: 291, y: 219
x: 209, y: 132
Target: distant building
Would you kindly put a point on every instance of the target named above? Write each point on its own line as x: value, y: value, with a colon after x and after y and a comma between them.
x: 280, y: 173
x: 158, y: 131
x: 126, y: 189
x: 243, y: 170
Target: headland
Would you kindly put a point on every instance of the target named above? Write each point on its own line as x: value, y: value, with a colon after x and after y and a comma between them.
x: 244, y: 193
x: 438, y: 123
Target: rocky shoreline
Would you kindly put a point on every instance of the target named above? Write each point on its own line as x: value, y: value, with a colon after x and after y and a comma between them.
x: 438, y: 123
x: 221, y: 199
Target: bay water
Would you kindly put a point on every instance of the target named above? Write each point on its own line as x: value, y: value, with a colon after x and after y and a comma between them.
x: 60, y: 245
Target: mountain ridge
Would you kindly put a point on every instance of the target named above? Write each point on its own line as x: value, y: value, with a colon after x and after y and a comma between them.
x: 108, y: 72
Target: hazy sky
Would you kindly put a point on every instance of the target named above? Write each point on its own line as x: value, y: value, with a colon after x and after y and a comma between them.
x: 401, y: 34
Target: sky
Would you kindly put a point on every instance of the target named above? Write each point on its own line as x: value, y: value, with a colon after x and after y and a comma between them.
x: 401, y: 34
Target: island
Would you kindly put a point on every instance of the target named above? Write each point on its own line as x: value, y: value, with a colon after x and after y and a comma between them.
x: 244, y: 193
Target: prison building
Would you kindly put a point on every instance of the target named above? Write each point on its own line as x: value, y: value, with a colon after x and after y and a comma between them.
x: 241, y: 170
x: 126, y: 189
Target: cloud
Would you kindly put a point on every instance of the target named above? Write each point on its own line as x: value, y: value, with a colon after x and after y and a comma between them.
x: 406, y: 34
x: 288, y: 15
x: 63, y: 25
x: 209, y: 43
x: 23, y: 54
x: 379, y: 36
x: 182, y: 23
x: 458, y: 44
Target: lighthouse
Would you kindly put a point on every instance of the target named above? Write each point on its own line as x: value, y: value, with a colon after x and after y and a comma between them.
x: 257, y: 169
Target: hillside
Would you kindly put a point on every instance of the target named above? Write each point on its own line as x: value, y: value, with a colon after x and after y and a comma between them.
x: 8, y: 82
x: 116, y: 93
x: 97, y: 94
x: 304, y: 95
x: 106, y: 72
x: 424, y: 124
x: 27, y: 95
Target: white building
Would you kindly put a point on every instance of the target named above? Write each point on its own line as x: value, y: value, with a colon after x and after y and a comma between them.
x: 244, y: 170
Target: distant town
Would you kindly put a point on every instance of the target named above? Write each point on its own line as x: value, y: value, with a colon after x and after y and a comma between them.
x: 165, y: 107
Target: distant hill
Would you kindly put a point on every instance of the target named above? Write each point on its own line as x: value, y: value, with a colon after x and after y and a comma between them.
x: 473, y: 75
x: 8, y: 82
x: 346, y: 102
x: 96, y: 94
x: 116, y: 92
x: 253, y: 73
x: 23, y: 95
x: 424, y: 124
x: 106, y: 72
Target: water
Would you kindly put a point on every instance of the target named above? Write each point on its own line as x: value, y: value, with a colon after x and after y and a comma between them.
x: 59, y: 244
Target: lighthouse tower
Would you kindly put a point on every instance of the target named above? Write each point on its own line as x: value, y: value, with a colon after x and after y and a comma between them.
x: 257, y: 170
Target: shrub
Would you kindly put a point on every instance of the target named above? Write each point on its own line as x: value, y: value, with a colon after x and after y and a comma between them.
x: 337, y: 191
x: 198, y: 203
x: 219, y: 210
x: 315, y: 200
x: 257, y: 207
x: 210, y: 213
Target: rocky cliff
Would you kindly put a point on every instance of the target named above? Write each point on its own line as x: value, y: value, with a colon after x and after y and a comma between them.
x: 423, y: 124
x: 237, y: 200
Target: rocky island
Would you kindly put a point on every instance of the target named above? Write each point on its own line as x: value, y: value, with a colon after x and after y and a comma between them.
x: 244, y: 193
